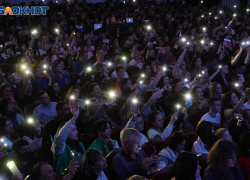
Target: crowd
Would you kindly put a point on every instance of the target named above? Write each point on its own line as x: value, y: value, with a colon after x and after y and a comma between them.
x: 126, y: 90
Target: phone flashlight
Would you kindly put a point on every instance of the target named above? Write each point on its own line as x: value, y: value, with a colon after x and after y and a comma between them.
x: 215, y: 17
x: 204, y: 29
x: 247, y: 10
x: 210, y: 13
x: 201, y: 1
x: 203, y: 72
x: 34, y: 31
x: 235, y: 6
x: 112, y: 94
x: 72, y: 97
x: 23, y: 67
x: 202, y: 16
x: 88, y: 69
x: 109, y: 64
x: 57, y: 30
x: 243, y: 43
x: 142, y: 75
x: 67, y: 44
x: 56, y: 1
x: 27, y: 72
x: 220, y: 12
x: 87, y: 102
x: 236, y: 85
x: 234, y: 14
x: 30, y: 121
x: 188, y: 43
x: 211, y: 43
x: 134, y: 101
x: 220, y: 66
x: 72, y: 154
x: 183, y: 39
x: 202, y: 41
x: 148, y: 27
x: 164, y: 68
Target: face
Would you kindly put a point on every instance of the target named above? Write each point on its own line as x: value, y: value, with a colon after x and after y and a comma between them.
x: 133, y: 146
x: 225, y: 69
x: 97, y: 92
x: 101, y: 164
x: 94, y: 107
x: 39, y: 73
x: 183, y: 66
x: 44, y: 99
x: 197, y: 173
x: 166, y: 80
x: 187, y: 76
x: 24, y: 149
x: 127, y: 85
x: 73, y: 134
x: 217, y: 106
x: 59, y: 68
x: 11, y: 106
x: 8, y: 128
x: 139, y: 125
x: 47, y: 172
x: 226, y: 135
x: 230, y: 162
x: 218, y: 89
x: 180, y: 146
x: 55, y: 87
x: 76, y: 93
x: 148, y: 69
x: 6, y: 92
x: 158, y: 122
x: 234, y: 99
x: 198, y: 63
x: 106, y: 132
x: 65, y: 110
x: 120, y: 73
x: 199, y: 93
x: 11, y: 79
x: 136, y: 57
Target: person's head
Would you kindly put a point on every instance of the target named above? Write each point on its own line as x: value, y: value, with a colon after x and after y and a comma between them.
x: 76, y: 91
x: 215, y: 90
x: 244, y: 144
x: 45, y: 39
x: 6, y: 126
x: 247, y: 93
x: 94, y: 90
x: 10, y: 78
x: 7, y: 105
x: 136, y: 55
x: 176, y: 141
x: 147, y: 68
x: 171, y: 60
x: 186, y: 75
x: 186, y: 166
x: 223, y: 155
x: 20, y: 148
x: 125, y: 84
x: 43, y: 171
x: 196, y: 63
x: 229, y: 99
x: 214, y: 105
x: 62, y: 108
x: 240, y: 68
x: 7, y: 49
x: 155, y: 120
x: 102, y: 129
x: 43, y: 97
x: 58, y: 67
x: 139, y: 125
x: 224, y: 69
x: 119, y: 72
x: 30, y: 52
x: 205, y: 132
x: 82, y: 55
x: 37, y: 71
x: 196, y: 92
x: 55, y: 87
x: 222, y: 133
x: 131, y: 139
x: 5, y: 89
x: 93, y: 161
x: 93, y: 106
x: 163, y: 81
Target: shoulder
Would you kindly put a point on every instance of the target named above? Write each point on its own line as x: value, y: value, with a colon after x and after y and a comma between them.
x: 163, y: 152
x: 210, y: 173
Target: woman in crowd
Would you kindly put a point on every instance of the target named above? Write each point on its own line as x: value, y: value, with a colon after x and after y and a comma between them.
x: 136, y: 59
x: 95, y: 92
x: 205, y: 141
x: 222, y: 162
x: 222, y: 78
x: 205, y: 79
x: 186, y: 167
x: 244, y: 159
x: 66, y: 142
x: 5, y: 90
x: 197, y: 98
x: 7, y: 109
x: 155, y: 126
x: 231, y: 104
x: 173, y: 146
x: 222, y: 133
x: 215, y: 91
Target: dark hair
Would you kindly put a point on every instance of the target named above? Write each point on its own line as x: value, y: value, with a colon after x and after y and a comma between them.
x: 193, y: 91
x: 151, y: 118
x: 71, y: 90
x: 90, y: 157
x: 185, y: 166
x: 3, y: 86
x: 3, y: 121
x: 160, y: 83
x: 39, y: 94
x: 100, y: 125
x: 55, y: 65
x: 18, y: 144
x: 227, y: 99
x: 244, y: 144
x: 118, y: 69
x: 218, y: 155
x: 123, y: 82
x: 219, y: 133
x: 59, y: 105
x: 34, y: 69
x: 204, y: 131
x: 234, y: 79
x: 175, y: 139
x: 3, y: 104
x: 211, y: 101
x: 245, y: 114
x: 36, y: 171
x: 91, y: 88
x: 194, y: 60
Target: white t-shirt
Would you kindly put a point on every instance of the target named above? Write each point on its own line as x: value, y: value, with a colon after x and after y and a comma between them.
x: 207, y: 117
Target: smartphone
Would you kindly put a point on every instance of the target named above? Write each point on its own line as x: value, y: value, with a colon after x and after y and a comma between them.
x: 140, y: 85
x: 11, y: 95
x: 72, y: 154
x: 6, y: 141
x: 13, y: 168
x: 189, y: 100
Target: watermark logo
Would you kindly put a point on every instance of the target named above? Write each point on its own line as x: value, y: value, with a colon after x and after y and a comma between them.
x: 26, y: 10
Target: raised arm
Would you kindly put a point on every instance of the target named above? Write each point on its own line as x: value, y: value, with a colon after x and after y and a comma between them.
x: 177, y: 65
x: 237, y: 57
x: 247, y: 58
x: 237, y: 108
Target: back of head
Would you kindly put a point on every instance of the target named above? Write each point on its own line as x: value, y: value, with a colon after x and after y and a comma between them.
x: 227, y: 99
x: 36, y: 171
x: 59, y: 105
x: 185, y: 166
x: 175, y: 139
x: 100, y: 125
x: 244, y: 144
x: 219, y: 133
x: 90, y: 157
x: 18, y: 144
x: 204, y: 131
x: 39, y: 94
x: 151, y: 118
x: 128, y: 135
x: 211, y: 101
x: 137, y: 177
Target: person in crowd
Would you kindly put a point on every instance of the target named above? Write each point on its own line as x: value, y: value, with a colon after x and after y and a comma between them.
x: 197, y: 98
x: 96, y: 112
x: 60, y: 77
x: 222, y: 78
x: 155, y: 126
x: 5, y: 90
x: 7, y: 109
x: 215, y: 91
x: 205, y: 141
x: 66, y: 143
x: 186, y: 167
x: 222, y: 133
x: 231, y: 104
x: 174, y: 145
x: 213, y: 114
x: 244, y: 160
x: 82, y: 61
x: 103, y: 142
x: 132, y: 160
x: 40, y: 81
x: 96, y: 93
x: 46, y: 110
x: 53, y: 90
x: 222, y: 162
x: 247, y: 104
x: 242, y: 126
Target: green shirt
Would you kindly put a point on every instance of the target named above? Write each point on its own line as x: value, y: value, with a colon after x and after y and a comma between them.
x: 97, y: 144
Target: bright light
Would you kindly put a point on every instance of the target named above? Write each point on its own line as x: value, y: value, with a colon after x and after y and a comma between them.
x: 220, y: 12
x: 215, y: 17
x: 148, y: 27
x: 44, y: 66
x: 44, y: 71
x: 56, y: 1
x: 5, y: 144
x: 178, y: 106
x: 123, y: 58
x: 201, y: 1
x: 10, y: 164
x: 188, y: 96
x: 164, y: 68
x: 57, y: 30
x: 72, y: 97
x: 210, y: 13
x: 202, y: 41
x: 142, y: 75
x: 203, y: 72
x: 202, y: 16
x: 134, y: 101
x: 236, y: 85
x: 234, y: 14
x: 27, y: 72
x: 183, y: 39
x: 220, y: 66
x: 109, y: 63
x: 204, y: 29
x: 235, y: 6
x: 88, y: 69
x: 30, y: 120
x: 67, y: 44
x: 247, y: 10
x: 2, y: 140
x: 141, y: 82
x: 87, y: 102
x: 34, y: 31
x: 187, y: 43
x: 23, y: 66
x: 112, y: 94
x: 211, y: 43
x: 247, y: 42
x: 185, y: 80
x: 243, y: 43
x: 124, y: 2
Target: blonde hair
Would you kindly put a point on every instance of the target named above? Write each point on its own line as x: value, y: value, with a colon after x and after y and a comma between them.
x: 26, y: 59
x: 29, y: 50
